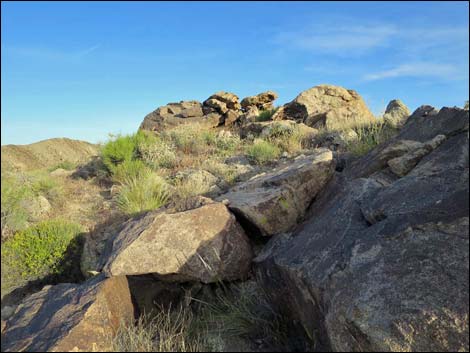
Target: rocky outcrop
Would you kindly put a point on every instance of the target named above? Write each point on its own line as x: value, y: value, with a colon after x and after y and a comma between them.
x: 70, y: 317
x: 382, y: 262
x: 327, y: 106
x: 174, y: 114
x: 274, y: 202
x: 203, y: 244
x: 396, y: 113
x: 261, y: 101
x: 269, y: 128
x: 226, y: 104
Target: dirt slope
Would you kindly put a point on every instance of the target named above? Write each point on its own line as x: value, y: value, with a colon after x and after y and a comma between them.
x: 45, y: 154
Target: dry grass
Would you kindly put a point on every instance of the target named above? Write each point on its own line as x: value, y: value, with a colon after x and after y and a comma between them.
x: 369, y: 136
x: 167, y: 331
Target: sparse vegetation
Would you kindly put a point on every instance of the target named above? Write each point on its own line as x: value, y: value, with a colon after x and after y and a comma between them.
x: 370, y: 136
x: 263, y: 152
x: 266, y: 115
x: 167, y: 331
x: 144, y: 192
x: 67, y: 165
x: 14, y: 215
x: 48, y: 249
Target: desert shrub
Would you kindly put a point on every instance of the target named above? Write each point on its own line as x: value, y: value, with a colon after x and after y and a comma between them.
x: 266, y: 115
x: 369, y: 136
x: 263, y: 152
x: 14, y: 215
x: 130, y: 169
x: 227, y: 145
x: 67, y: 165
x: 42, y: 183
x: 49, y: 249
x: 168, y: 331
x: 221, y: 170
x: 145, y: 192
x: 158, y: 154
x: 190, y: 139
x: 286, y: 138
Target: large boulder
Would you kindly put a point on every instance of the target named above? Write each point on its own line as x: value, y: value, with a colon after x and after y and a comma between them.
x: 202, y: 244
x: 396, y: 113
x: 174, y: 114
x: 261, y: 101
x: 70, y: 317
x: 382, y: 262
x: 275, y: 202
x: 327, y: 106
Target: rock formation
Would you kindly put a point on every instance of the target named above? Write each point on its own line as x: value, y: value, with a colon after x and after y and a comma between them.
x: 396, y: 113
x: 204, y: 244
x: 373, y: 267
x: 327, y: 106
x: 274, y: 202
x: 70, y: 317
x: 261, y: 101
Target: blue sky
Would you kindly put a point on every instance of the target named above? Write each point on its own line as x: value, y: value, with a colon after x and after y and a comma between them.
x: 83, y: 70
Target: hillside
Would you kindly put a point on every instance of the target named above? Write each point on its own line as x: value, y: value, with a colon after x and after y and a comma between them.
x: 46, y: 154
x: 237, y: 225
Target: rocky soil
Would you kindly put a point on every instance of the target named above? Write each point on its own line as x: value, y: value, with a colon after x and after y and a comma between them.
x: 353, y: 253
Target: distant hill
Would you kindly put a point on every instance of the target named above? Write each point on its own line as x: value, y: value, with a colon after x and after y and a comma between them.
x: 46, y: 153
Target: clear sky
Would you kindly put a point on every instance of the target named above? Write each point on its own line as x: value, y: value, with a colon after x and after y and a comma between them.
x: 83, y: 70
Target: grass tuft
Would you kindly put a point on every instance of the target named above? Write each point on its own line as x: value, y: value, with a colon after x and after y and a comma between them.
x: 145, y: 192
x: 263, y: 152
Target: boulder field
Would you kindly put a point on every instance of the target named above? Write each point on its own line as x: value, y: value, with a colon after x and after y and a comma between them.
x: 369, y: 256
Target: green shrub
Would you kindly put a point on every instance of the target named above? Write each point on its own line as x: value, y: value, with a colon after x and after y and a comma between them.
x: 266, y: 115
x: 146, y: 192
x: 49, y: 249
x: 128, y: 170
x: 369, y: 136
x: 14, y: 194
x: 263, y: 152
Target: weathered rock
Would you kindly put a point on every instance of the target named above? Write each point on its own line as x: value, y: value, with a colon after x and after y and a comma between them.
x: 231, y: 117
x: 174, y: 114
x: 205, y: 244
x: 419, y: 127
x: 382, y: 262
x: 403, y: 164
x: 396, y: 113
x: 70, y: 317
x: 229, y: 100
x: 274, y: 202
x: 262, y: 101
x: 327, y: 106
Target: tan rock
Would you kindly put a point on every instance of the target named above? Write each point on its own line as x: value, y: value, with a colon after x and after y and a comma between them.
x: 70, y: 317
x: 175, y: 114
x: 327, y: 106
x: 263, y: 101
x: 396, y: 113
x: 274, y: 202
x: 205, y: 244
